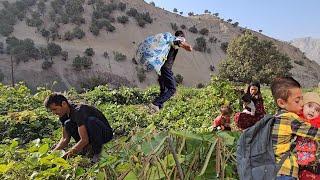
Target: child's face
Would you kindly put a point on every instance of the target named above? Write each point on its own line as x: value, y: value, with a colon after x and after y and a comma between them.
x: 311, y: 110
x: 294, y: 102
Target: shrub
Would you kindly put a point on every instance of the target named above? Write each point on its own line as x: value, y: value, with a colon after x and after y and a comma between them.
x: 141, y: 22
x: 119, y: 56
x: 193, y: 29
x: 213, y: 39
x: 81, y: 62
x: 122, y: 19
x: 68, y: 36
x: 153, y: 4
x: 174, y: 26
x: 200, y: 85
x: 110, y: 27
x: 179, y: 78
x: 122, y: 6
x: 224, y: 46
x: 204, y: 31
x: 235, y: 24
x: 46, y: 64
x: 78, y: 33
x: 132, y: 12
x: 94, y: 30
x: 201, y: 44
x: 54, y: 49
x: 89, y: 52
x: 6, y: 29
x: 300, y: 62
x: 183, y: 26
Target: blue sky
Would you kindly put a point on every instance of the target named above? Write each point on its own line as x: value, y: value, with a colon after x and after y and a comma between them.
x: 280, y: 19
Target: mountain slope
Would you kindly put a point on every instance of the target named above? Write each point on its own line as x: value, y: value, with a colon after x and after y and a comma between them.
x: 194, y: 66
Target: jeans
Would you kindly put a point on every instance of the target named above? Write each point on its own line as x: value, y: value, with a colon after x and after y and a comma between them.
x: 167, y: 84
x: 285, y: 178
x: 98, y: 132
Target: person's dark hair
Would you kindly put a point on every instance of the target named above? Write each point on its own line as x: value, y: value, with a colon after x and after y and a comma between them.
x: 55, y: 98
x: 179, y: 34
x: 256, y: 84
x: 246, y: 98
x: 280, y: 87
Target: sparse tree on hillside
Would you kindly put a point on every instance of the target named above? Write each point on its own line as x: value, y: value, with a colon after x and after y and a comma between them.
x: 224, y: 46
x: 54, y: 49
x: 229, y: 20
x: 193, y: 29
x: 42, y: 7
x: 89, y: 52
x: 6, y: 29
x: 153, y: 4
x: 206, y: 11
x: 174, y: 26
x: 250, y: 59
x: 78, y: 33
x: 216, y: 14
x: 181, y: 13
x: 175, y: 10
x: 190, y: 14
x: 204, y: 31
x: 123, y: 19
x: 260, y: 31
x: 201, y: 44
x: 122, y: 6
x: 235, y: 24
x: 183, y: 26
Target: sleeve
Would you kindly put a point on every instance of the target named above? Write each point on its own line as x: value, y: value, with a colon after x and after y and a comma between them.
x: 253, y: 108
x: 216, y: 122
x: 80, y: 117
x: 303, y: 129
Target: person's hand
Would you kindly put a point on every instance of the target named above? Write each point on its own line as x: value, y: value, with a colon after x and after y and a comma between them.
x: 69, y: 154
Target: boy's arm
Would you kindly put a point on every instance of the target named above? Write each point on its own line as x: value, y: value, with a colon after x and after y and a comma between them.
x: 305, y: 129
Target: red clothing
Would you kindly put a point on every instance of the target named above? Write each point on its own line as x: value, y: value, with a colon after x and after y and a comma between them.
x: 221, y: 121
x: 244, y: 120
x: 306, y: 151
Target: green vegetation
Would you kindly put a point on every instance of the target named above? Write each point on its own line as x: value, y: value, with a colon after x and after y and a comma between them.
x: 118, y: 56
x: 144, y: 143
x: 249, y: 58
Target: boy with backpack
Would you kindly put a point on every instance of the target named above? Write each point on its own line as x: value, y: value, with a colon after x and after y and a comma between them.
x: 287, y: 94
x: 265, y: 149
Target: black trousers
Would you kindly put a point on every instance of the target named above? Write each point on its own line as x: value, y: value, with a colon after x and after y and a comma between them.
x: 99, y: 133
x: 167, y: 84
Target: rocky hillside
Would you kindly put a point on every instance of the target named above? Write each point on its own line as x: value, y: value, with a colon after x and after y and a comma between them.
x: 310, y: 46
x: 123, y: 25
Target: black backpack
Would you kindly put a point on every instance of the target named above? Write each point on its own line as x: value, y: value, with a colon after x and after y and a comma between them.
x: 255, y: 155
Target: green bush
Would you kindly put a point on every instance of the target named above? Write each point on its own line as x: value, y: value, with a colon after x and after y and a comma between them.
x: 193, y: 29
x: 204, y: 31
x: 118, y: 56
x: 201, y: 44
x: 122, y: 6
x: 110, y: 27
x: 132, y: 12
x: 68, y: 36
x: 224, y: 46
x: 78, y: 33
x: 174, y: 26
x: 46, y: 64
x: 179, y: 78
x: 82, y: 62
x: 89, y: 52
x: 183, y: 26
x: 123, y: 19
x: 263, y: 63
x: 6, y: 29
x: 300, y: 62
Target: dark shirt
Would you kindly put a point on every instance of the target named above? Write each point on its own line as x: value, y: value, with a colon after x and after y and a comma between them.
x: 172, y: 55
x: 80, y: 113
